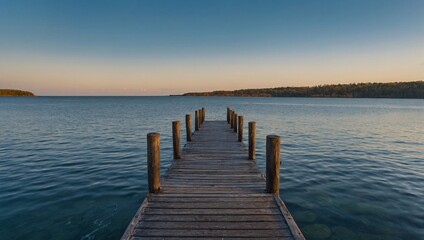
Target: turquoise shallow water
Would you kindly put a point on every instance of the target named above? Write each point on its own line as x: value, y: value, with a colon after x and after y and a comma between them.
x: 75, y: 167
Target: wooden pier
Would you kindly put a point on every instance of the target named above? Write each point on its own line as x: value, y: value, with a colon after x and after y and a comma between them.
x: 213, y: 188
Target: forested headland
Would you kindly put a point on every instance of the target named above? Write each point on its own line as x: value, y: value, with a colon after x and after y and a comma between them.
x: 355, y: 90
x: 15, y: 93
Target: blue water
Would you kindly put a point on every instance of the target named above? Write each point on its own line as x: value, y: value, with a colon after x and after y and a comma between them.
x: 75, y: 167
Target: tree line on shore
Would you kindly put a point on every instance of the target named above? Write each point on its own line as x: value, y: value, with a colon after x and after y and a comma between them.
x: 15, y: 93
x: 355, y: 90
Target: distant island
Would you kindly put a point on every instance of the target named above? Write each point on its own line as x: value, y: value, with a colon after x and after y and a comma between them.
x: 15, y: 93
x: 354, y: 90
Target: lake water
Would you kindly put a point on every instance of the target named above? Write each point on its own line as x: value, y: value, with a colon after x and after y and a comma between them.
x: 75, y: 167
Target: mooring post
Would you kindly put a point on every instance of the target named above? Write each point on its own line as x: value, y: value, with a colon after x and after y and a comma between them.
x: 252, y: 140
x: 203, y: 114
x: 201, y: 117
x: 176, y: 130
x: 273, y: 164
x: 234, y: 119
x: 188, y: 127
x: 240, y: 128
x: 228, y: 115
x: 235, y: 122
x: 153, y: 162
x: 196, y: 120
x: 231, y: 118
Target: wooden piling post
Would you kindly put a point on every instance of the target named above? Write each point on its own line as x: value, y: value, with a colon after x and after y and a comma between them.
x: 196, y: 121
x: 188, y: 127
x: 252, y: 140
x: 235, y: 122
x: 228, y: 115
x: 273, y: 164
x: 201, y: 115
x: 176, y: 130
x: 240, y: 128
x: 153, y: 162
x: 202, y: 110
x: 231, y: 118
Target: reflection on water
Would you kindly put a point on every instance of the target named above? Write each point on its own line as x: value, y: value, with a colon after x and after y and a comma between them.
x: 75, y: 168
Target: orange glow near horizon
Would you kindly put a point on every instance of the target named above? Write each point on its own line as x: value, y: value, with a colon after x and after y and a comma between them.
x: 51, y: 75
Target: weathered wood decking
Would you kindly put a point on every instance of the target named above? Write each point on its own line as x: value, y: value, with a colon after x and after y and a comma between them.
x: 213, y: 192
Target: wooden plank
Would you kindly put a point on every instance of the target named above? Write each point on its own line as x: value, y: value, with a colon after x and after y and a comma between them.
x: 208, y: 185
x: 218, y: 166
x: 210, y: 233
x: 209, y: 238
x: 217, y: 163
x: 222, y: 163
x: 217, y: 173
x: 235, y: 211
x: 215, y: 182
x: 230, y: 188
x: 226, y: 195
x: 206, y: 171
x: 235, y: 175
x: 207, y: 199
x: 213, y: 168
x: 215, y: 176
x: 213, y: 218
x: 206, y: 191
x: 212, y: 205
x: 294, y: 229
x: 213, y: 179
x: 212, y: 225
x: 183, y: 177
x: 214, y: 186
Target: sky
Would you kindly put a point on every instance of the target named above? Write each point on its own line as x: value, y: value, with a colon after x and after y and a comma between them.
x: 136, y: 47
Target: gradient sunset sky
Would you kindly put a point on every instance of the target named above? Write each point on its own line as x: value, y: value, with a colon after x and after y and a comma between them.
x: 170, y: 47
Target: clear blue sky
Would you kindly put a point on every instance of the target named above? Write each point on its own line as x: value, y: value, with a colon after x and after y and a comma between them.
x: 166, y: 47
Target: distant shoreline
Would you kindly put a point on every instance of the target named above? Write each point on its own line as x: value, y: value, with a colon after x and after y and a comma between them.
x: 413, y: 90
x: 15, y: 93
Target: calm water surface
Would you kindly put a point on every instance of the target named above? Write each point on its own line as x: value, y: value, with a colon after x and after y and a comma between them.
x: 75, y: 167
